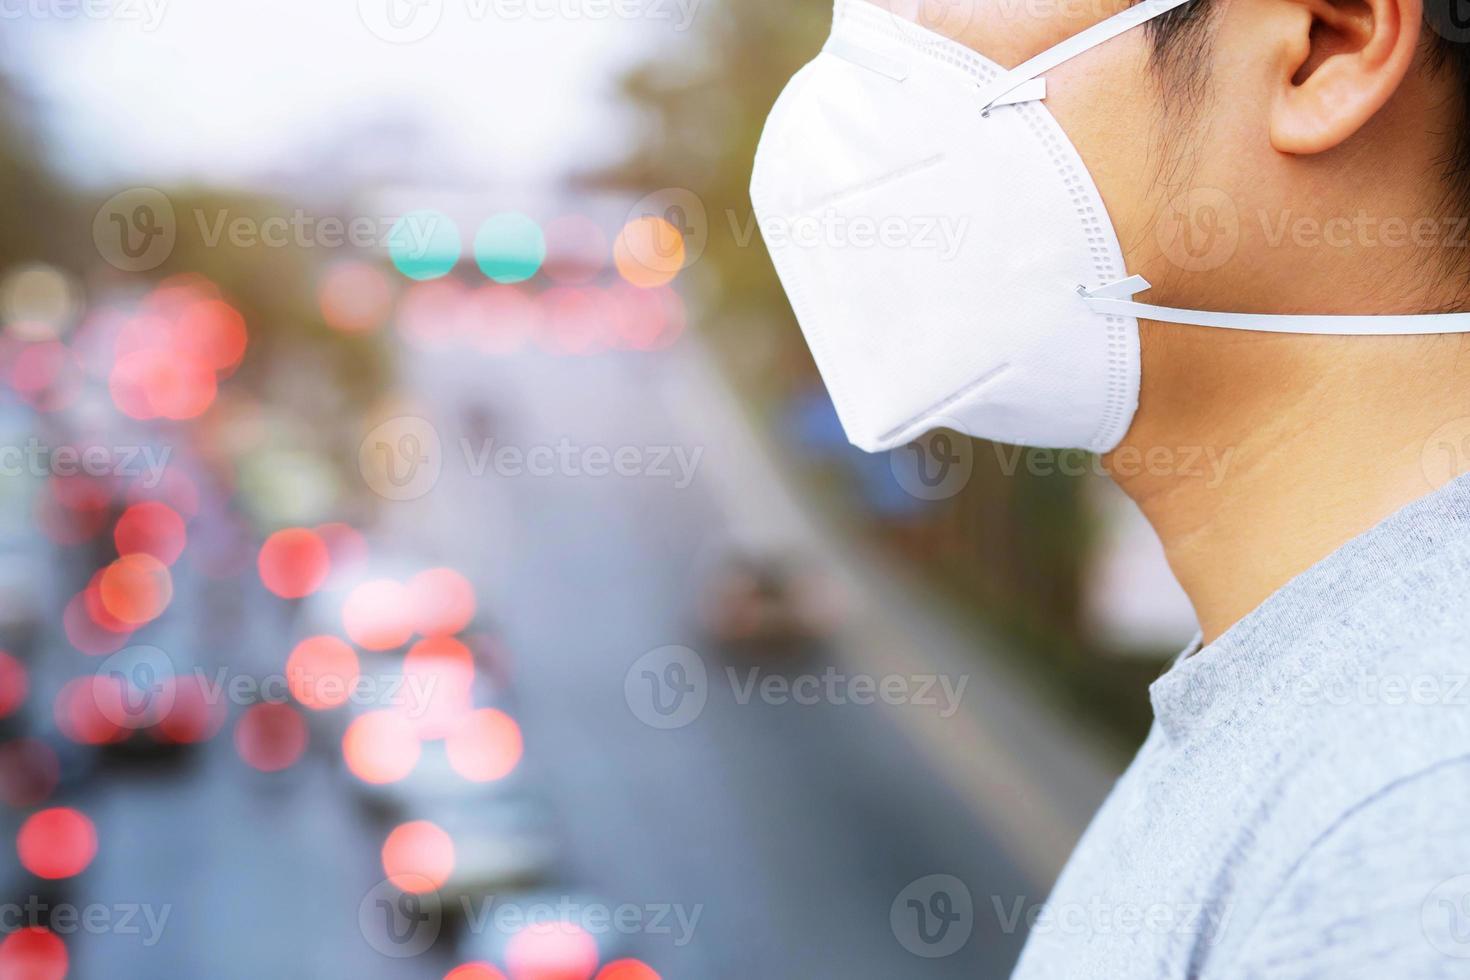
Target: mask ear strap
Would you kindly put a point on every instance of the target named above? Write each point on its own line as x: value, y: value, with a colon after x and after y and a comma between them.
x: 1115, y: 299
x: 994, y: 94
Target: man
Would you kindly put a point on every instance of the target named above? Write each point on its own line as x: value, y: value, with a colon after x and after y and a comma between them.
x: 1291, y: 181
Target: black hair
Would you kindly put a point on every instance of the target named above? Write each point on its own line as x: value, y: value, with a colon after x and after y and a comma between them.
x: 1181, y: 42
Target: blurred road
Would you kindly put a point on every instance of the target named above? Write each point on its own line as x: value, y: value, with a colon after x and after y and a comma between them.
x: 780, y: 835
x: 825, y: 812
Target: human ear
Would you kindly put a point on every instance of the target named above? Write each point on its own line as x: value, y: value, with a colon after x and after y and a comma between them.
x: 1336, y: 64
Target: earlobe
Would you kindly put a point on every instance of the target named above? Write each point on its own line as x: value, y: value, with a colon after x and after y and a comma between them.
x: 1342, y: 61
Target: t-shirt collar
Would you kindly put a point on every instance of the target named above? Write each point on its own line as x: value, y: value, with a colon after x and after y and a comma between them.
x: 1252, y: 663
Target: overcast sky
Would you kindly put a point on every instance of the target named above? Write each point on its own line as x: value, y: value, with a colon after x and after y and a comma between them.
x: 509, y: 91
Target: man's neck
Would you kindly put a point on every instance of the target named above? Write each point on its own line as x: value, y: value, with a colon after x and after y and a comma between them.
x: 1317, y: 441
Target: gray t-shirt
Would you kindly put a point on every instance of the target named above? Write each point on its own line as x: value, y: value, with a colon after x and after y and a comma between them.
x: 1302, y: 805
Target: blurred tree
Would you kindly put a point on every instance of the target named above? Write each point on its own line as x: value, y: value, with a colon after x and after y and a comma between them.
x: 36, y: 208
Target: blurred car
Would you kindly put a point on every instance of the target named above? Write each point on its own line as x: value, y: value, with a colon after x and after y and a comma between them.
x: 543, y: 934
x: 762, y: 604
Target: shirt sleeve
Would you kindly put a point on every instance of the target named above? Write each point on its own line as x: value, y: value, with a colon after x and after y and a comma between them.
x: 1386, y: 893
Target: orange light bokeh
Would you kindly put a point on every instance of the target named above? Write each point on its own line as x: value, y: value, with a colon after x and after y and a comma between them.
x: 96, y: 611
x: 551, y: 951
x: 649, y: 252
x: 214, y: 332
x: 294, y: 562
x: 628, y: 970
x: 474, y: 971
x: 441, y: 601
x: 135, y: 589
x: 485, y: 745
x: 418, y: 857
x: 151, y: 528
x: 376, y: 615
x: 56, y: 843
x: 321, y: 672
x: 154, y: 383
x: 33, y: 953
x: 380, y: 747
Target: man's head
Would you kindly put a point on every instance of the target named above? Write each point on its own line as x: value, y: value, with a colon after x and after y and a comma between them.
x: 1253, y: 156
x: 1261, y: 155
x: 1271, y: 156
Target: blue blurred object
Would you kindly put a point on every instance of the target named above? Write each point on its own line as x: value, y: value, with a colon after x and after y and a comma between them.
x: 811, y: 426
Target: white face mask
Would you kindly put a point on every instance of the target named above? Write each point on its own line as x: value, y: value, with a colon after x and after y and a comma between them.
x: 948, y: 255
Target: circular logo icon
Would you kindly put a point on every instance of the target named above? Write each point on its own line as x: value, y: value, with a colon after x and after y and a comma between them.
x: 402, y: 458
x: 1445, y: 917
x: 136, y: 230
x: 685, y: 213
x: 134, y: 687
x: 947, y: 18
x: 1199, y: 231
x: 667, y: 688
x: 935, y: 467
x: 401, y: 21
x: 933, y: 917
x: 400, y: 923
x: 1447, y: 452
x: 1450, y: 20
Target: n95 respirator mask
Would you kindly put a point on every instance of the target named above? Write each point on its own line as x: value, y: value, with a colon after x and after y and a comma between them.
x: 948, y: 255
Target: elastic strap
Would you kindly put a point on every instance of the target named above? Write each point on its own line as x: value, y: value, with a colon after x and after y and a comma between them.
x: 994, y: 95
x: 1110, y: 300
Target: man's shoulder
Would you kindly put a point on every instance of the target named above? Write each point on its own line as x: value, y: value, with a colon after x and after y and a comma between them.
x: 1384, y: 891
x: 1378, y: 716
